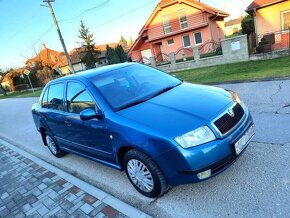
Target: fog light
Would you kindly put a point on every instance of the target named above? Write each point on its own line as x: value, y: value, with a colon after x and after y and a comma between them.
x: 204, y: 174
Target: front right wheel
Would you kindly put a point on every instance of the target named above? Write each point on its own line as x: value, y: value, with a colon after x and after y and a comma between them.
x: 144, y: 174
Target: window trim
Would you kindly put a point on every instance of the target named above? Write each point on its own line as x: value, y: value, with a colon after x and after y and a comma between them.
x: 282, y: 19
x: 180, y: 24
x: 169, y: 24
x: 183, y: 41
x: 63, y: 100
x: 195, y: 40
x: 97, y: 107
x: 170, y: 44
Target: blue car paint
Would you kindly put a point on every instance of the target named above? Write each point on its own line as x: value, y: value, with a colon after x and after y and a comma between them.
x: 149, y: 127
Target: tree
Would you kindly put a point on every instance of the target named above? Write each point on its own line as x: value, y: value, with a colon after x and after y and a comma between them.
x: 131, y: 42
x: 90, y: 56
x: 2, y: 76
x: 248, y: 25
x: 121, y: 54
x: 123, y: 40
x: 116, y: 55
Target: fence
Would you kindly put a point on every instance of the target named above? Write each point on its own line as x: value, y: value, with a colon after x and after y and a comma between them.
x: 270, y: 42
x: 211, y: 53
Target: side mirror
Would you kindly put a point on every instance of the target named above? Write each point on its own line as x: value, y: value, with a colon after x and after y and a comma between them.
x: 90, y: 113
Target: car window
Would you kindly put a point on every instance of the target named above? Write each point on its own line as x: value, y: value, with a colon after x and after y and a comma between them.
x: 44, y: 102
x: 78, y: 98
x: 55, y: 96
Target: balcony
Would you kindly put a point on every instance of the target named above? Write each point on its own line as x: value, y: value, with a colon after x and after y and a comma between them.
x: 193, y: 22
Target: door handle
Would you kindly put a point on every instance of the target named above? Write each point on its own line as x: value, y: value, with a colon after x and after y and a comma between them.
x: 67, y: 122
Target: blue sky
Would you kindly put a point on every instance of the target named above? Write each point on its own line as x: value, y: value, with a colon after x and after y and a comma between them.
x: 25, y: 25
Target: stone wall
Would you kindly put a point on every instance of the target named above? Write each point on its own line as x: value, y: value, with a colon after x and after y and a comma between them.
x: 234, y: 50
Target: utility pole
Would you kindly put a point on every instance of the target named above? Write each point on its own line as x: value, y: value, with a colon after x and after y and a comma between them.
x: 60, y: 36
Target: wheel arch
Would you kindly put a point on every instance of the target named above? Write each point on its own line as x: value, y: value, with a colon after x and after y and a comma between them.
x: 42, y: 132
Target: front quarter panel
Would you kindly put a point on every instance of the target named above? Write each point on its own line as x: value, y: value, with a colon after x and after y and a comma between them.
x: 127, y: 133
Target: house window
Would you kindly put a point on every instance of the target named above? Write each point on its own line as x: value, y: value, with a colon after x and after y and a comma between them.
x: 198, y: 38
x: 182, y: 19
x: 186, y: 41
x: 286, y: 20
x: 166, y: 24
x: 170, y: 42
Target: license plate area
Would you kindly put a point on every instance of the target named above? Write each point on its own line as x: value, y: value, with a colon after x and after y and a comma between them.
x: 244, y: 140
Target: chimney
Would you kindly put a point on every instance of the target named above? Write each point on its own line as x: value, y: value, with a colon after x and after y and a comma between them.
x: 43, y: 46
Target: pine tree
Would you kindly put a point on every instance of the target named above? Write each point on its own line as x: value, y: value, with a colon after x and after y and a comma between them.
x: 131, y: 42
x: 123, y: 40
x: 116, y: 55
x: 121, y: 54
x: 90, y: 56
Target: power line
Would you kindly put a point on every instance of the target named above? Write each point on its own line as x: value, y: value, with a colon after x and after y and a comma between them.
x: 125, y: 14
x: 100, y: 6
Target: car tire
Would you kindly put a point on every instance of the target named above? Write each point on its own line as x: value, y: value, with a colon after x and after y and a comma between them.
x: 144, y: 174
x: 53, y: 147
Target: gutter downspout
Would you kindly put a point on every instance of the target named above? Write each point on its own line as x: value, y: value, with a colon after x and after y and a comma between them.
x: 256, y: 26
x: 210, y: 25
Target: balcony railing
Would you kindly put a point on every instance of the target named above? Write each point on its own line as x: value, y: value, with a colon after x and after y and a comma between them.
x: 193, y: 21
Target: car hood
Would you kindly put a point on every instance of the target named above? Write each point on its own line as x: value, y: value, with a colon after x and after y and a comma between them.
x: 180, y: 110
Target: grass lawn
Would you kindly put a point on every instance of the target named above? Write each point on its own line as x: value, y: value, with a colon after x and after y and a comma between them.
x: 22, y: 94
x: 252, y: 70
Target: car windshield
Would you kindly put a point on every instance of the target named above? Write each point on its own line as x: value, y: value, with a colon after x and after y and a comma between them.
x: 128, y: 86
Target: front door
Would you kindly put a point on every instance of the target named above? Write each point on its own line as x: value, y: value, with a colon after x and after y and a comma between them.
x: 87, y: 137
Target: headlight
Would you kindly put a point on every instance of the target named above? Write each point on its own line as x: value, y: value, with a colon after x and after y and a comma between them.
x: 235, y: 97
x: 196, y: 137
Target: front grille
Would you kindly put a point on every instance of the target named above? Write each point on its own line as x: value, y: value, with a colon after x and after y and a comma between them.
x: 227, y: 122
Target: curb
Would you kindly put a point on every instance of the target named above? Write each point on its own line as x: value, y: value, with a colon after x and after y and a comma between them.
x: 106, y: 198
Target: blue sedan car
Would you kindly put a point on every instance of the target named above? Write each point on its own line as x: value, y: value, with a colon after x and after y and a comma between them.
x: 162, y: 131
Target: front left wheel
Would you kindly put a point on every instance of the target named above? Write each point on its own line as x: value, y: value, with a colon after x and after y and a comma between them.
x: 144, y: 174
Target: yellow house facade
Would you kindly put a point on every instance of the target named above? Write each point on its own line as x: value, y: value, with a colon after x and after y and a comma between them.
x: 270, y: 15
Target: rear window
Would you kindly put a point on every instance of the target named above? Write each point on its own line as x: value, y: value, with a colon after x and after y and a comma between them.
x: 44, y: 103
x: 55, y: 96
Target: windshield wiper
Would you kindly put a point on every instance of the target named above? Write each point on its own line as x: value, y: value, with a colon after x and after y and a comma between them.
x: 146, y: 99
x: 132, y: 104
x: 164, y: 90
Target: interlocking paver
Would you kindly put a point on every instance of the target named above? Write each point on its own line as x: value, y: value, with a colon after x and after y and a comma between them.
x: 86, y: 208
x: 29, y: 190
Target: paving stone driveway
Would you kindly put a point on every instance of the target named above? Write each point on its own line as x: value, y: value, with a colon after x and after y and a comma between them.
x: 29, y: 190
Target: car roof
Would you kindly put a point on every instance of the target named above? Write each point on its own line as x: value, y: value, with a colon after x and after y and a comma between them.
x: 97, y: 71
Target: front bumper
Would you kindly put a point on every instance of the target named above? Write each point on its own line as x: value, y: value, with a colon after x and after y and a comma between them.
x: 181, y: 166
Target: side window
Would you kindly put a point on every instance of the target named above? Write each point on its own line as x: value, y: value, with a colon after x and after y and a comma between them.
x: 44, y: 102
x: 55, y: 96
x: 78, y: 98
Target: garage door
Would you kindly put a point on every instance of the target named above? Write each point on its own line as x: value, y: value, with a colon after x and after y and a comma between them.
x: 146, y: 55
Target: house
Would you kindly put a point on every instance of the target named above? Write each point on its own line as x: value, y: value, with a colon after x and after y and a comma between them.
x: 270, y: 15
x: 175, y: 25
x: 272, y: 24
x: 46, y: 57
x: 233, y: 26
x: 76, y: 55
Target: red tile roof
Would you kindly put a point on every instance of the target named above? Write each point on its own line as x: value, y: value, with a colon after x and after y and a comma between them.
x: 208, y: 8
x: 47, y: 57
x: 233, y: 22
x: 262, y: 3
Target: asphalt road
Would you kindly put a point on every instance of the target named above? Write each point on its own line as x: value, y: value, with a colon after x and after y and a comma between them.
x: 257, y: 185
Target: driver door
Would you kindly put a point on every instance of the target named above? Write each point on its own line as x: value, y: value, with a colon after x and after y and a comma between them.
x: 89, y: 137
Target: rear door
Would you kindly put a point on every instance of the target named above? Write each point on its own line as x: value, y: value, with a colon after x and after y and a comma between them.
x: 53, y: 110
